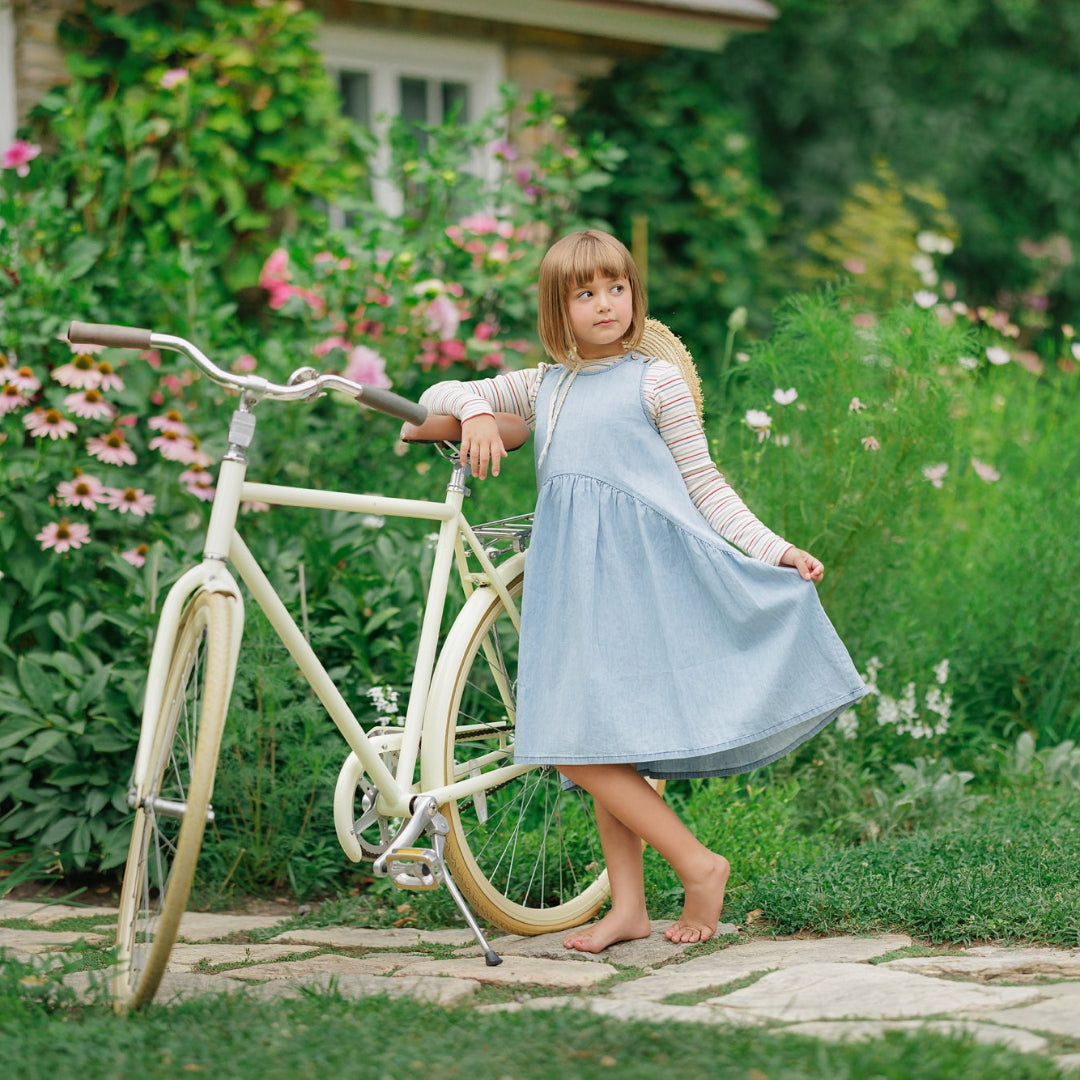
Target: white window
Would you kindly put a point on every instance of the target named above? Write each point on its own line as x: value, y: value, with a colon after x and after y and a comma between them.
x: 422, y: 79
x: 8, y: 119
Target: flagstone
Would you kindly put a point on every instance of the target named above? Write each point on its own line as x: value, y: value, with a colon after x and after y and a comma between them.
x: 188, y: 957
x: 999, y: 963
x: 837, y: 991
x: 728, y: 965
x: 48, y: 940
x: 1058, y: 1011
x: 516, y: 971
x: 643, y: 952
x: 46, y: 914
x: 654, y: 1012
x: 358, y: 937
x: 323, y: 964
x: 209, y: 926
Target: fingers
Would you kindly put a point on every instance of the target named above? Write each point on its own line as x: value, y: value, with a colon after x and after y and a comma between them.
x: 480, y: 453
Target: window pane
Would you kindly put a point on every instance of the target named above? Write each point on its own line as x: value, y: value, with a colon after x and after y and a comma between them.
x: 455, y: 100
x: 356, y: 95
x: 414, y: 106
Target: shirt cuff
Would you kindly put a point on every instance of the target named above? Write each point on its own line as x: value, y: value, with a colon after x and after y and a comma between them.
x: 476, y: 407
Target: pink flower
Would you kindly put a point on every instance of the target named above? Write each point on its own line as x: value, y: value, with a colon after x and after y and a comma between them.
x: 19, y: 155
x: 90, y: 405
x: 63, y: 534
x: 329, y: 344
x: 936, y: 473
x: 199, y: 483
x: 23, y: 379
x: 441, y: 317
x: 865, y: 319
x: 174, y: 447
x: 870, y: 443
x: 109, y: 379
x: 854, y: 266
x: 485, y: 331
x: 480, y: 223
x: 997, y: 355
x: 785, y: 397
x: 136, y: 555
x: 275, y: 269
x: 985, y: 472
x: 85, y: 491
x: 129, y: 501
x: 171, y: 422
x: 925, y: 298
x: 113, y: 449
x: 172, y: 78
x: 855, y: 405
x: 368, y: 367
x: 244, y: 362
x: 80, y: 373
x: 50, y: 422
x: 11, y: 398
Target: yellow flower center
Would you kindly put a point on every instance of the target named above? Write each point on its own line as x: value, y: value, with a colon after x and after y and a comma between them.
x: 84, y: 362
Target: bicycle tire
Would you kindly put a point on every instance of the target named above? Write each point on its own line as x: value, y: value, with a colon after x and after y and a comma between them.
x: 526, y: 854
x: 165, y: 846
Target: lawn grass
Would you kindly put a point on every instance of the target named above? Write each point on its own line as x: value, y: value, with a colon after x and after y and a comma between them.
x: 1009, y: 871
x: 323, y: 1034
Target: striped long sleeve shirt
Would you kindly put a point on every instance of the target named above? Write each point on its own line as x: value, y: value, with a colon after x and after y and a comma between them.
x: 671, y: 409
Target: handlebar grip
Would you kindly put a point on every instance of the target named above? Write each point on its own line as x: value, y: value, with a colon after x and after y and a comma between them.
x: 392, y: 404
x: 115, y: 337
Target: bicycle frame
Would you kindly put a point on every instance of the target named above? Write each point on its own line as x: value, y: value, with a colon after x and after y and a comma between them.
x: 456, y: 540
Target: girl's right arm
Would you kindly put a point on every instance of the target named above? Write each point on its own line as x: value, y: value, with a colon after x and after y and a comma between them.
x: 473, y: 403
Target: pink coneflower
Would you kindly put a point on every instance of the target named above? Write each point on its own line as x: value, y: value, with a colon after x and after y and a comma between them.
x: 80, y: 373
x: 90, y: 405
x: 109, y: 379
x: 23, y: 379
x: 113, y: 448
x: 199, y: 482
x: 63, y: 534
x: 85, y: 491
x: 130, y: 501
x: 175, y: 447
x: 50, y: 422
x: 136, y: 555
x: 11, y: 398
x: 171, y: 422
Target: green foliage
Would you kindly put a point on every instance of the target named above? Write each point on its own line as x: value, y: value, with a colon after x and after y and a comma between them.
x: 692, y: 177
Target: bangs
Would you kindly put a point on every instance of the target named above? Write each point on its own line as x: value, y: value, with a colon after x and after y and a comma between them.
x: 595, y: 256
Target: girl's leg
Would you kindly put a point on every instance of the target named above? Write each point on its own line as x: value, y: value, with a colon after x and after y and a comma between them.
x: 628, y: 917
x: 628, y: 797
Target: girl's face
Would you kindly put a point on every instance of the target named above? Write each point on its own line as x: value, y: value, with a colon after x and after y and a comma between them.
x: 600, y: 313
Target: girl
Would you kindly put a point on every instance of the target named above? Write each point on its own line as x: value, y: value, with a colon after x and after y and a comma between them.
x: 649, y: 646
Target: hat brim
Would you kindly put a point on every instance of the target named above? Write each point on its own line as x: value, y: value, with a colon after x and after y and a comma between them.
x: 658, y: 341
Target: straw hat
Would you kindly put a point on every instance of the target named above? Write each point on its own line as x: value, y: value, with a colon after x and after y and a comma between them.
x: 658, y: 341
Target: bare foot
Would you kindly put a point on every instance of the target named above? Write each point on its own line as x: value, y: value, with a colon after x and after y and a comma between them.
x: 702, y: 905
x: 610, y: 929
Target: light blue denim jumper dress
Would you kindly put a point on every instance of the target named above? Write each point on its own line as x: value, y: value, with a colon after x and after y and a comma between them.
x: 645, y: 637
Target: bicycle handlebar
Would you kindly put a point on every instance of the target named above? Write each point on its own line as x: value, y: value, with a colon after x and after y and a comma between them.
x: 130, y: 337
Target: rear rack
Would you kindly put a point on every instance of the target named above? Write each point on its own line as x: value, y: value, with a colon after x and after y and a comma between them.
x: 507, y: 535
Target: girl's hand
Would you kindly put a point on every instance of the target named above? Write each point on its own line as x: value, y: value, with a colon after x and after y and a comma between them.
x: 481, y: 445
x: 809, y: 568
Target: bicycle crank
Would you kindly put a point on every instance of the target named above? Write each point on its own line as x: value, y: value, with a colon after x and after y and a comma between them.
x: 418, y: 868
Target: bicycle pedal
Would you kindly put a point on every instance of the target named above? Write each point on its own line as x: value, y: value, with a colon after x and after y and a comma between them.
x: 416, y: 869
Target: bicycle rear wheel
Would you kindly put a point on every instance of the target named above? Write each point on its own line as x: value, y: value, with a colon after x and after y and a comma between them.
x: 172, y: 816
x: 525, y: 854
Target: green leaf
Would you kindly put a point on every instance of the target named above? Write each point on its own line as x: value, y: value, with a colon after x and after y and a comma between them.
x: 81, y: 255
x: 42, y: 743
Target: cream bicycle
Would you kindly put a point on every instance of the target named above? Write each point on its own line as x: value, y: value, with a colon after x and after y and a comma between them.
x: 522, y: 850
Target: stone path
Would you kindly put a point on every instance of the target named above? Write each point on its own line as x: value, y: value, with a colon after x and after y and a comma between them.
x: 830, y: 988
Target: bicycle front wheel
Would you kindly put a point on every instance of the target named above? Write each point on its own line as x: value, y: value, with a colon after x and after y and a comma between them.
x: 172, y: 815
x: 526, y: 853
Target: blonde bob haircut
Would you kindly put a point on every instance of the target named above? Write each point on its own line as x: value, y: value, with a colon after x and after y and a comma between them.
x: 570, y: 263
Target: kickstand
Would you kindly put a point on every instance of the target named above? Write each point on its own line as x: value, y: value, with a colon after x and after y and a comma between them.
x: 491, y: 957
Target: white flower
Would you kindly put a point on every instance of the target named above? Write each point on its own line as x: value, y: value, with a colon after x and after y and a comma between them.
x: 969, y: 363
x: 935, y: 473
x: 986, y: 472
x: 941, y: 672
x: 1075, y: 349
x: 385, y: 700
x: 759, y: 421
x: 997, y: 355
x: 847, y: 724
x: 855, y: 405
x: 925, y: 299
x: 785, y: 397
